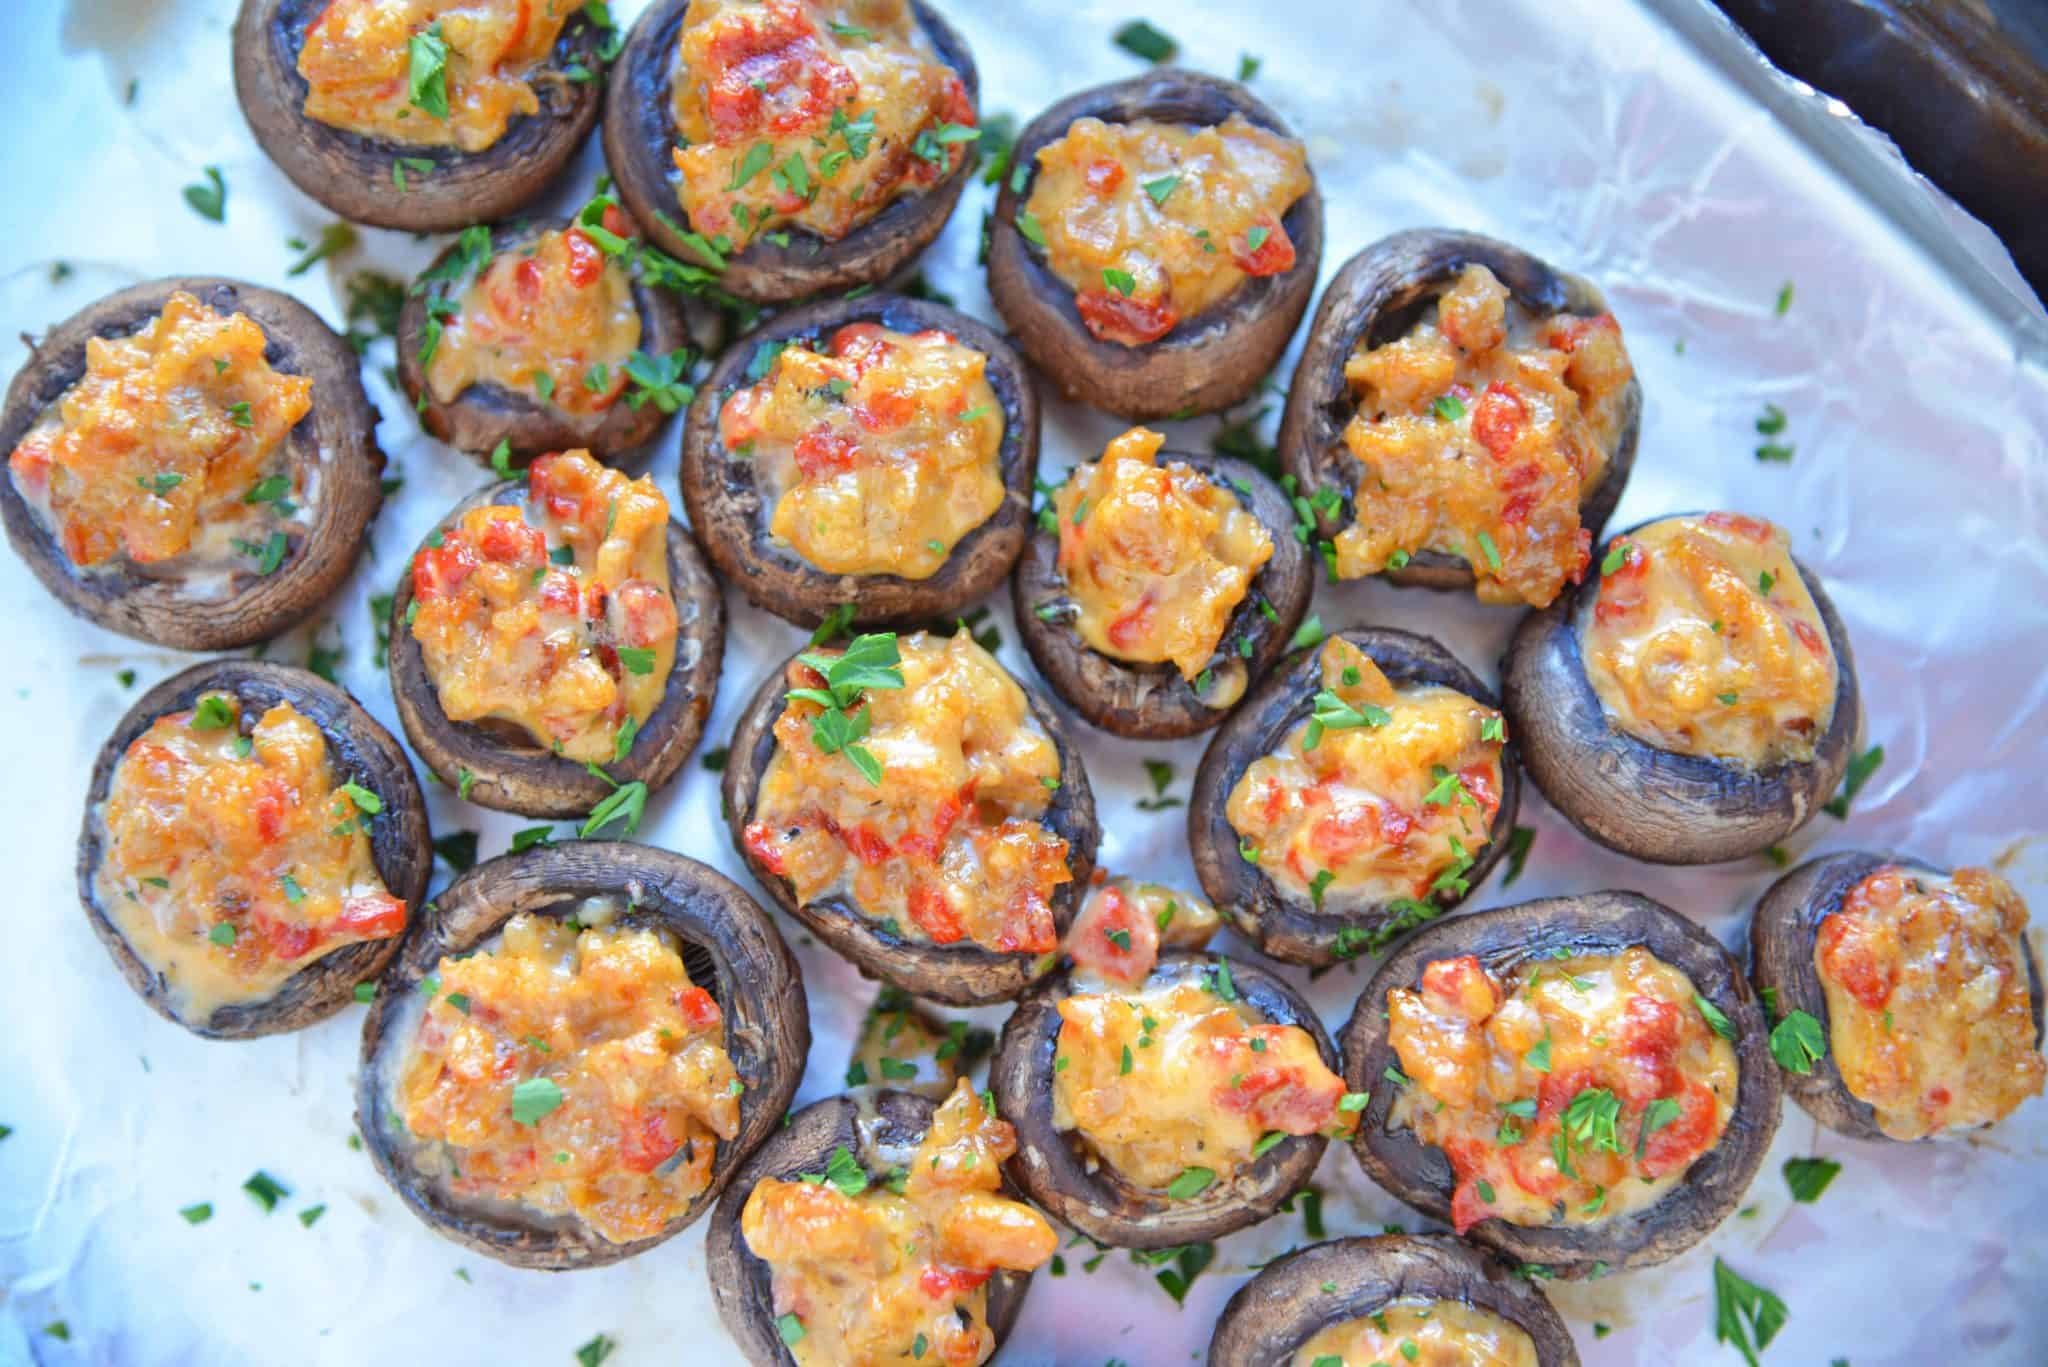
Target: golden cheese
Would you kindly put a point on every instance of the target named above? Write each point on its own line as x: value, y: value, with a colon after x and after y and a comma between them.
x: 1424, y: 1332
x: 1123, y: 924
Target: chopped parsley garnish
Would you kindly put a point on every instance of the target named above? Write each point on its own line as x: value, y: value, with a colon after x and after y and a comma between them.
x: 1160, y: 188
x: 1861, y: 767
x: 1027, y: 224
x: 1538, y: 1056
x: 660, y: 380
x: 870, y: 661
x: 1160, y: 773
x: 1798, y: 1043
x: 210, y: 200
x: 266, y: 1190
x: 1784, y: 304
x: 626, y: 803
x: 212, y: 714
x: 637, y: 660
x: 1490, y: 551
x: 1745, y: 1314
x: 1120, y: 281
x: 1809, y: 1177
x: 427, y: 74
x: 752, y: 164
x: 1616, y: 557
x: 1449, y: 407
x: 1142, y: 40
x: 1319, y: 885
x: 533, y: 1098
x: 1191, y: 1183
x: 197, y: 1214
x: 597, y: 1349
x: 531, y: 836
x: 1714, y: 1017
x: 1331, y: 713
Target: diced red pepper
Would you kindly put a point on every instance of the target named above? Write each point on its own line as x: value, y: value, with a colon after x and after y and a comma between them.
x: 698, y: 1008
x: 586, y: 261
x: 1103, y: 175
x: 644, y: 1142
x: 1755, y: 529
x: 1647, y: 1050
x: 512, y: 542
x: 825, y: 451
x: 944, y: 1283
x: 1128, y: 322
x: 934, y: 915
x: 1274, y: 254
x: 760, y: 843
x: 1673, y: 1146
x: 1498, y: 419
x: 374, y: 916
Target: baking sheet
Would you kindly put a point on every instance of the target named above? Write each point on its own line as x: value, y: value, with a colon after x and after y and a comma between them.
x: 1642, y: 145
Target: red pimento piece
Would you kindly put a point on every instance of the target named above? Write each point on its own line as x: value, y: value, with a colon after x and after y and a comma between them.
x: 934, y: 915
x: 1104, y: 175
x: 1274, y: 254
x: 1499, y: 418
x: 1130, y: 322
x: 1672, y: 1147
x: 586, y: 261
x: 772, y: 75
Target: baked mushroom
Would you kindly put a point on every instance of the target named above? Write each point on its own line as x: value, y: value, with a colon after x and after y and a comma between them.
x: 390, y: 120
x: 1158, y: 586
x: 790, y: 155
x: 1156, y: 244
x: 1577, y: 1083
x: 241, y: 508
x: 532, y: 336
x: 651, y: 1029
x: 1366, y: 788
x: 1919, y: 988
x: 873, y: 455
x: 1695, y: 700
x: 1464, y: 416
x: 918, y: 810
x: 1170, y: 1110
x: 1372, y: 1300
x: 253, y: 845
x: 873, y: 1225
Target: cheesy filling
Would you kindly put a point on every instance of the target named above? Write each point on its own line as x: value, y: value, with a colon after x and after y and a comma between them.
x: 1423, y: 1332
x: 1124, y: 924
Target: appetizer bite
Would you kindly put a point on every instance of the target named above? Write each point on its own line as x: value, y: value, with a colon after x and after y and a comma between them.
x: 1159, y: 586
x: 531, y: 337
x: 1577, y: 1083
x: 793, y: 147
x: 557, y: 638
x: 876, y: 1229
x: 917, y: 809
x: 1919, y: 990
x: 1464, y: 416
x: 192, y: 462
x: 252, y: 848
x: 421, y: 114
x: 1426, y: 1299
x: 1156, y: 244
x: 1364, y: 790
x: 643, y: 1028
x: 1124, y: 924
x: 904, y: 1046
x: 1695, y: 700
x: 1176, y: 1108
x: 872, y: 456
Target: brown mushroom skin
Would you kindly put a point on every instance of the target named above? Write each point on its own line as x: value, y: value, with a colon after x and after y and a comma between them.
x: 1153, y: 702
x: 1275, y: 1314
x: 868, y: 1124
x: 1781, y: 946
x: 730, y: 512
x: 1092, y: 1197
x: 1375, y: 299
x: 639, y: 130
x: 1649, y: 803
x: 1209, y: 361
x: 353, y: 175
x: 483, y: 415
x: 508, y: 770
x: 1282, y: 924
x: 335, y: 442
x: 1504, y: 938
x: 961, y: 974
x: 732, y: 951
x: 358, y: 749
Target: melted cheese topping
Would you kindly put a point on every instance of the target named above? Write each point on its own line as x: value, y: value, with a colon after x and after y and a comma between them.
x: 1184, y: 1078
x: 1384, y: 793
x: 949, y: 845
x: 233, y: 857
x: 1156, y: 559
x: 1929, y: 1013
x: 876, y: 455
x: 1705, y: 641
x: 893, y: 1273
x: 556, y: 617
x: 1479, y: 433
x: 810, y: 114
x: 363, y: 60
x: 1124, y: 924
x: 1572, y: 1091
x: 556, y: 321
x: 1427, y: 1333
x: 170, y: 445
x: 575, y: 1072
x: 1151, y: 224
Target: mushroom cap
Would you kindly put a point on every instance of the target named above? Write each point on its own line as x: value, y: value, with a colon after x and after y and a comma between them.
x: 335, y: 445
x: 358, y: 749
x: 1088, y: 1194
x: 1280, y: 923
x: 1153, y: 702
x: 731, y: 949
x: 639, y: 130
x: 1207, y: 362
x: 1504, y: 938
x: 730, y: 514
x: 1375, y: 299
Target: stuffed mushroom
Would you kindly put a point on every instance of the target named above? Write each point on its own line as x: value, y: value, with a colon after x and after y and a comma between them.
x: 193, y: 462
x: 1463, y: 417
x: 1577, y: 1083
x: 649, y: 1027
x: 872, y: 457
x: 1363, y: 790
x: 1156, y: 244
x: 1919, y: 990
x: 1159, y: 586
x: 253, y: 846
x: 1695, y: 700
x: 792, y: 147
x: 556, y: 639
